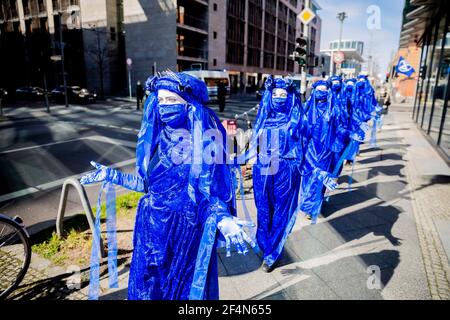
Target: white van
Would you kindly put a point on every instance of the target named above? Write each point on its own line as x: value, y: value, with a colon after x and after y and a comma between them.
x: 211, y: 78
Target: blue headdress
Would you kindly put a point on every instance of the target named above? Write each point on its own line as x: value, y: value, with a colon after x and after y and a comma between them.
x: 311, y: 104
x: 265, y: 111
x: 195, y: 93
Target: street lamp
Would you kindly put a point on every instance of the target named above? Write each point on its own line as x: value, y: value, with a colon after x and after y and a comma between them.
x: 61, y: 44
x: 341, y: 16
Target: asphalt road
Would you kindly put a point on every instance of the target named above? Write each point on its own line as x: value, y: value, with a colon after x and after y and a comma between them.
x: 38, y: 152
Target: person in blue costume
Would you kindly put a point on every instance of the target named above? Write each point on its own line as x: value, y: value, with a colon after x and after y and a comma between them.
x: 341, y: 114
x: 188, y: 194
x: 276, y: 175
x: 323, y: 125
x: 355, y: 125
x: 347, y: 129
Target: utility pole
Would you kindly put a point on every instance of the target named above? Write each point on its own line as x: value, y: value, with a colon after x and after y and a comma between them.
x: 66, y: 99
x: 341, y: 16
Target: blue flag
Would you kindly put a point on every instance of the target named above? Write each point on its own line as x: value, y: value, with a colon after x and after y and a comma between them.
x: 404, y: 67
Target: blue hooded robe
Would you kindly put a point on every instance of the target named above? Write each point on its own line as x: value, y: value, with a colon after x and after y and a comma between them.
x: 175, y: 236
x: 342, y: 115
x: 323, y: 125
x: 276, y: 193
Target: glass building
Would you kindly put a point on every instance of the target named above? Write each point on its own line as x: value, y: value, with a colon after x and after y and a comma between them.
x: 427, y: 24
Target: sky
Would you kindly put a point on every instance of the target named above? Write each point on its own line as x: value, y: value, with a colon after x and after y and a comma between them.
x: 384, y: 40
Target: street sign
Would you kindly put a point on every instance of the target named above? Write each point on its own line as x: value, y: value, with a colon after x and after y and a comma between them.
x: 306, y: 16
x: 338, y: 57
x: 55, y: 58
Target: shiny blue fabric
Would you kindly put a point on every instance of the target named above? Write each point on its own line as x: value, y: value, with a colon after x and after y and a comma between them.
x: 340, y: 108
x: 323, y: 126
x: 176, y: 222
x: 94, y: 283
x: 276, y: 194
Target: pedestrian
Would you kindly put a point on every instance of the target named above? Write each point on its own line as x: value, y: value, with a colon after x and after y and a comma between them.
x: 242, y: 86
x: 221, y: 95
x: 386, y: 98
x: 3, y: 94
x: 185, y: 202
x: 276, y: 175
x: 139, y: 95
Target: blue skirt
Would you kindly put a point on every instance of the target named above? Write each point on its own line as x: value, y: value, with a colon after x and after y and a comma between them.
x: 276, y: 199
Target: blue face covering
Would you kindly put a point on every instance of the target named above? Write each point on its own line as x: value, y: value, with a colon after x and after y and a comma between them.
x: 336, y: 87
x: 279, y: 104
x: 321, y: 95
x: 172, y: 114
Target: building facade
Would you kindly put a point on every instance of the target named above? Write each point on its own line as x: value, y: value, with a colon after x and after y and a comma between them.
x: 254, y: 38
x: 32, y: 33
x: 353, y: 53
x: 428, y: 28
x: 30, y: 36
x: 120, y: 42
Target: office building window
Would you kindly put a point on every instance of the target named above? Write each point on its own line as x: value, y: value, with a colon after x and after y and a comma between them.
x: 431, y: 107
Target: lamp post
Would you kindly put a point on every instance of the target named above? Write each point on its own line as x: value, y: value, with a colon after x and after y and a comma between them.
x: 341, y: 16
x: 61, y: 44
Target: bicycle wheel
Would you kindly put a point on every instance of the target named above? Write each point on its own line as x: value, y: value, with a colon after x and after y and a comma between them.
x: 15, y: 254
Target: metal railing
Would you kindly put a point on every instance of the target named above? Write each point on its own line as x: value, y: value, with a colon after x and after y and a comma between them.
x: 192, y: 21
x: 86, y: 206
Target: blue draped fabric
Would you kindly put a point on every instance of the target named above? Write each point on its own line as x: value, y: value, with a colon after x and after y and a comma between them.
x: 342, y: 114
x: 175, y: 232
x: 276, y: 192
x: 323, y: 125
x: 94, y: 283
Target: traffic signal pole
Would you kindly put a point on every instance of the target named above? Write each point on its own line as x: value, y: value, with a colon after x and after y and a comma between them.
x: 303, y: 67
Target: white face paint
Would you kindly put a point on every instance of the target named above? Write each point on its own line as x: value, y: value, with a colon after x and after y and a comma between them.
x: 169, y: 97
x: 279, y: 93
x: 322, y: 88
x: 336, y: 82
x: 350, y: 83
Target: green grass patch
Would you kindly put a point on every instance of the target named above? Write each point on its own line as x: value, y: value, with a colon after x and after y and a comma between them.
x: 75, y: 245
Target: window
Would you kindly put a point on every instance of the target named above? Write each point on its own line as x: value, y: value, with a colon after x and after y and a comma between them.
x: 214, y: 62
x: 215, y: 6
x: 215, y: 35
x: 112, y: 31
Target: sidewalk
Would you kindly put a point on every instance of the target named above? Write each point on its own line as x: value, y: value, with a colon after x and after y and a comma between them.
x: 386, y: 239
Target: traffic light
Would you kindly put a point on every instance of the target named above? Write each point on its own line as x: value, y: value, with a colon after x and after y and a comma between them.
x: 301, y: 50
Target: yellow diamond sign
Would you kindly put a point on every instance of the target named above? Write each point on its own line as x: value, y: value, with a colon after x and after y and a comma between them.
x: 306, y: 15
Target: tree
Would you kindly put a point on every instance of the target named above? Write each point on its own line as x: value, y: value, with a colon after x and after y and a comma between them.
x: 99, y: 54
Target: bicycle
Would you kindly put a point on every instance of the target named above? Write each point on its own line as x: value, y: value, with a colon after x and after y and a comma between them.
x: 15, y: 253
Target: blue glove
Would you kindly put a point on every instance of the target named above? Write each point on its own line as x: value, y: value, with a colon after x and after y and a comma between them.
x: 360, y: 137
x: 364, y: 127
x: 378, y: 109
x: 328, y: 180
x: 114, y: 176
x: 232, y: 229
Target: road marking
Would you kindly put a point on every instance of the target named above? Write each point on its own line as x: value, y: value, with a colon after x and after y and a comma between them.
x: 94, y: 138
x: 53, y: 184
x: 41, y: 145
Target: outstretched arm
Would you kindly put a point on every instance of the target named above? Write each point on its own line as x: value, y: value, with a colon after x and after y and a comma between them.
x: 114, y: 176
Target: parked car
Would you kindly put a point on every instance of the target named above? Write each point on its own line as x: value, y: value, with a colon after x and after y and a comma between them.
x: 74, y: 93
x: 29, y: 93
